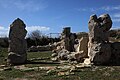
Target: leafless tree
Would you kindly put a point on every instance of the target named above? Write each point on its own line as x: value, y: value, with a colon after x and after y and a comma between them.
x: 35, y: 35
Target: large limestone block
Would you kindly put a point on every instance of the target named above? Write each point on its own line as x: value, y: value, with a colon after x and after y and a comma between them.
x: 100, y: 53
x: 83, y: 46
x: 68, y: 39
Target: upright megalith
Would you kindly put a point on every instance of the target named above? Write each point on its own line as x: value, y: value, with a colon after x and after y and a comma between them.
x: 68, y: 39
x: 17, y: 43
x: 99, y: 48
x: 65, y: 38
x: 83, y: 46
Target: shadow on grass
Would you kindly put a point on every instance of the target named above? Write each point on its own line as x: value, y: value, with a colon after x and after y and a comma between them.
x: 40, y: 62
x: 109, y: 64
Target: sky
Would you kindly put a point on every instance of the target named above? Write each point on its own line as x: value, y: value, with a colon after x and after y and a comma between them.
x: 50, y: 16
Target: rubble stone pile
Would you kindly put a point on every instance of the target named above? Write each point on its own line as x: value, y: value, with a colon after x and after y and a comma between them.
x: 66, y: 49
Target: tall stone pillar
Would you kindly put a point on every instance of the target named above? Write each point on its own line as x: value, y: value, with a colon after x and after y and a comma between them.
x: 17, y: 43
x: 99, y: 48
x: 68, y: 39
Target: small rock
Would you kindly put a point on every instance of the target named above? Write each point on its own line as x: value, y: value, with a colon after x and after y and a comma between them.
x: 50, y: 72
x: 87, y: 61
x: 54, y: 54
x: 7, y: 68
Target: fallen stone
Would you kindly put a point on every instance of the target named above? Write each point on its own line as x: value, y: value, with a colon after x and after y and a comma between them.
x: 51, y: 72
x: 63, y: 54
x: 82, y: 65
x: 87, y: 61
x: 3, y: 65
x: 20, y: 67
x: 33, y: 49
x: 1, y: 69
x: 15, y: 58
x: 7, y: 68
x: 63, y: 73
x: 54, y: 54
x: 54, y: 59
x: 78, y: 56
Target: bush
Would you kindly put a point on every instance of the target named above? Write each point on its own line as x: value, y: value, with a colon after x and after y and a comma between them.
x: 4, y: 42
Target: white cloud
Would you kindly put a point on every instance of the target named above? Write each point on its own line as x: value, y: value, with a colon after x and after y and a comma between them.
x: 3, y: 31
x: 105, y: 8
x: 26, y: 5
x: 2, y: 28
x: 3, y: 34
x: 40, y: 28
x: 115, y: 27
x: 87, y: 9
x: 110, y: 8
x: 116, y: 15
x: 82, y: 9
x: 116, y: 7
x: 116, y: 20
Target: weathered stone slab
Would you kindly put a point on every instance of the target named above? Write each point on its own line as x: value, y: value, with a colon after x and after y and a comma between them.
x: 83, y: 46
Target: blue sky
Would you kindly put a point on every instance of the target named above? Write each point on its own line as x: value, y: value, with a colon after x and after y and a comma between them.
x: 52, y: 15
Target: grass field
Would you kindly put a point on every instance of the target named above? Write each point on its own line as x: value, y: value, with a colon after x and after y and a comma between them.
x: 91, y: 73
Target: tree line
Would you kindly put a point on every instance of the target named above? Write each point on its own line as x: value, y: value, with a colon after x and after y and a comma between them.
x: 37, y: 38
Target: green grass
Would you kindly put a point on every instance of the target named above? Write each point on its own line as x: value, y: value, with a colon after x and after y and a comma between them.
x: 3, y: 55
x: 93, y: 73
x: 39, y: 54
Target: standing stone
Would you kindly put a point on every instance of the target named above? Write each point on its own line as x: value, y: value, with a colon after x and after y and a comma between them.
x: 72, y: 42
x: 68, y: 39
x: 99, y: 48
x: 83, y: 46
x: 17, y: 43
x: 65, y: 38
x: 66, y: 31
